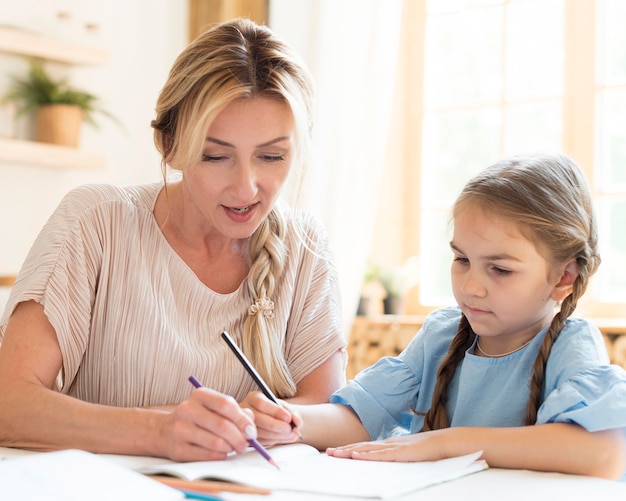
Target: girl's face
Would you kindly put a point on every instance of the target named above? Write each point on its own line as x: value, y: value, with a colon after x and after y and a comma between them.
x: 245, y: 162
x: 500, y: 281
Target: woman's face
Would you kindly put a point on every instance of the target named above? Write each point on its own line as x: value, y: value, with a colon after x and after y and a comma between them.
x: 245, y: 162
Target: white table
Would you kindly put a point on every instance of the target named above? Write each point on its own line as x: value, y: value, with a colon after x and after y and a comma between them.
x: 489, y: 485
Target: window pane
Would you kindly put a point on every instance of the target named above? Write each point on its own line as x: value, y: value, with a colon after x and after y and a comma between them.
x: 613, y: 134
x: 461, y: 68
x: 614, y: 41
x: 433, y: 6
x: 533, y: 127
x: 457, y: 144
x: 534, y: 49
x: 435, y: 259
x: 611, y: 279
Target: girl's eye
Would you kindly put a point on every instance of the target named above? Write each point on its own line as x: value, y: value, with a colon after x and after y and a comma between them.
x: 501, y: 271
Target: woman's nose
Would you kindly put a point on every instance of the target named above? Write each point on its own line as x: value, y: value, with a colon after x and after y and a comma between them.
x: 244, y: 182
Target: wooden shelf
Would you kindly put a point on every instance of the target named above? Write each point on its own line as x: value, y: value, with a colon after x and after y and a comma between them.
x: 7, y: 280
x: 25, y: 43
x: 47, y: 155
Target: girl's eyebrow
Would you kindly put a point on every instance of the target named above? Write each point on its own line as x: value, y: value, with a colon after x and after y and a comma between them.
x: 493, y: 257
x: 262, y: 145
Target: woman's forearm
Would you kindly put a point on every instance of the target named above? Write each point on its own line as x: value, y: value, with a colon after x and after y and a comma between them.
x: 37, y: 418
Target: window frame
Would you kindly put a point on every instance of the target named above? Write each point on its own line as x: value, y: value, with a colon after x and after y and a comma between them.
x: 580, y: 127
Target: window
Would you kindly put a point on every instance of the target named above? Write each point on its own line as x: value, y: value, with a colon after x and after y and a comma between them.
x: 503, y: 77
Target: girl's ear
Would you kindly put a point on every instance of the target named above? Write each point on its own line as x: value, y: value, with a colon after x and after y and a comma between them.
x: 565, y: 284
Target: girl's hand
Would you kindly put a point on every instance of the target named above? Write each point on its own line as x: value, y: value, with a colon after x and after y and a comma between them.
x: 273, y: 421
x: 207, y: 427
x: 425, y: 446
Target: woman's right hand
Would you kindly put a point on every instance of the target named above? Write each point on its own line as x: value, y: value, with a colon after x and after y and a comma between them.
x: 207, y: 427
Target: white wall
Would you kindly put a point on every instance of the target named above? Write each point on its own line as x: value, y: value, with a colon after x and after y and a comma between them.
x: 143, y: 37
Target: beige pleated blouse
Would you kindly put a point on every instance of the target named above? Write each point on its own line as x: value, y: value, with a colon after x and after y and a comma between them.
x: 134, y: 322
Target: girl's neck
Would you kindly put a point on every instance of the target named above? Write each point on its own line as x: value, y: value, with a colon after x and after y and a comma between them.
x: 479, y: 351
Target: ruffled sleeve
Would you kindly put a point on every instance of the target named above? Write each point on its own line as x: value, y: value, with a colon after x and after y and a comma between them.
x: 383, y: 408
x: 594, y: 399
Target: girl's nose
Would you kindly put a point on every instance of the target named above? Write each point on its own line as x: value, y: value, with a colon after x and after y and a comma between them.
x: 472, y: 285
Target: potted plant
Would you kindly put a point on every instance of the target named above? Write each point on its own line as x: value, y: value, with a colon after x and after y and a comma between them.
x: 397, y: 282
x: 60, y: 108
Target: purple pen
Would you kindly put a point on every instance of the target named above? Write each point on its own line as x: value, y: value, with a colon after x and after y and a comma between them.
x: 255, y: 444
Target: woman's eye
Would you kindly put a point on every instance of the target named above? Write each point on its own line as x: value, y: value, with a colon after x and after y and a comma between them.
x: 212, y: 158
x: 273, y: 158
x: 462, y: 260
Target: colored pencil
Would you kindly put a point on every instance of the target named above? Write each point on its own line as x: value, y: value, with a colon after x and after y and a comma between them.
x: 208, y: 485
x: 253, y: 442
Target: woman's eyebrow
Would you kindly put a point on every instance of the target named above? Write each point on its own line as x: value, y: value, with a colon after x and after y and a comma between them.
x: 262, y: 145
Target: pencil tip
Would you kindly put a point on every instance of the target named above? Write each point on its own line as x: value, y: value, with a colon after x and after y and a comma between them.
x: 273, y: 463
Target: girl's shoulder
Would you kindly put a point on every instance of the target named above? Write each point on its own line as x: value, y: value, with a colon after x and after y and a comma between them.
x: 442, y: 319
x: 438, y: 329
x: 581, y: 339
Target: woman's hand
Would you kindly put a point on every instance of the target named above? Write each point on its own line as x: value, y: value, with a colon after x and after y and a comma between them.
x: 273, y: 421
x: 425, y: 446
x: 206, y: 427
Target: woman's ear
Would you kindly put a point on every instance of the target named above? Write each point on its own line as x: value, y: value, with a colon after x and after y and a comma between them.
x: 168, y: 142
x: 565, y: 285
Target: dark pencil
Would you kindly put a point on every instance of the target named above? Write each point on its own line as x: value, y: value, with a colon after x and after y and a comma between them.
x: 253, y: 443
x: 251, y: 370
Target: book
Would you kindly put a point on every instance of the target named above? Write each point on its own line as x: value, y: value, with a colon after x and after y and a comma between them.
x: 305, y: 469
x: 74, y: 475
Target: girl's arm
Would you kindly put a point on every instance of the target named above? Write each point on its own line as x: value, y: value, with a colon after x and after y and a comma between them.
x: 319, y: 425
x: 274, y: 421
x: 557, y: 447
x: 34, y: 416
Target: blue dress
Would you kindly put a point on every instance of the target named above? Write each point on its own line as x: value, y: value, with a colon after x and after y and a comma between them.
x: 580, y: 384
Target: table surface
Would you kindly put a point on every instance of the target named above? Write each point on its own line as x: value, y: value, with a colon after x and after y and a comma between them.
x: 492, y: 484
x: 488, y: 485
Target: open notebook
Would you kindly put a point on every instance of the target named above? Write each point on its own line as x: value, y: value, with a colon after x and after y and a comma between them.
x: 303, y: 468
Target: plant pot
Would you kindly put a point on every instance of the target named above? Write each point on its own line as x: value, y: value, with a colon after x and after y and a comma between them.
x: 393, y: 305
x: 59, y: 124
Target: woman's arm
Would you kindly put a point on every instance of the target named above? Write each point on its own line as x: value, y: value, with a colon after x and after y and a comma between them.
x: 33, y: 415
x: 558, y: 447
x: 317, y: 387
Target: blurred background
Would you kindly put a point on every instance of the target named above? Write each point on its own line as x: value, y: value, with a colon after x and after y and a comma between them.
x: 413, y: 98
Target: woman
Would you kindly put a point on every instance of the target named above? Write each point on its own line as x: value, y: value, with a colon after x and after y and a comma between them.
x: 126, y: 291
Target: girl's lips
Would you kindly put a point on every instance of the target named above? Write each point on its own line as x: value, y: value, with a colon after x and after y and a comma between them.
x: 476, y: 311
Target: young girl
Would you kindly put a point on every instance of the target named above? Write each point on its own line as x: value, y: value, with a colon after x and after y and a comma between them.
x: 508, y: 371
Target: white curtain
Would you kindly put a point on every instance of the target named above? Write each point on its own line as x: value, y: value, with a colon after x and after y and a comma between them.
x: 351, y: 47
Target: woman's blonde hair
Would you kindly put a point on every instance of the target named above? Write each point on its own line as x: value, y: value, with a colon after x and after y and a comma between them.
x: 233, y: 60
x: 547, y: 197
